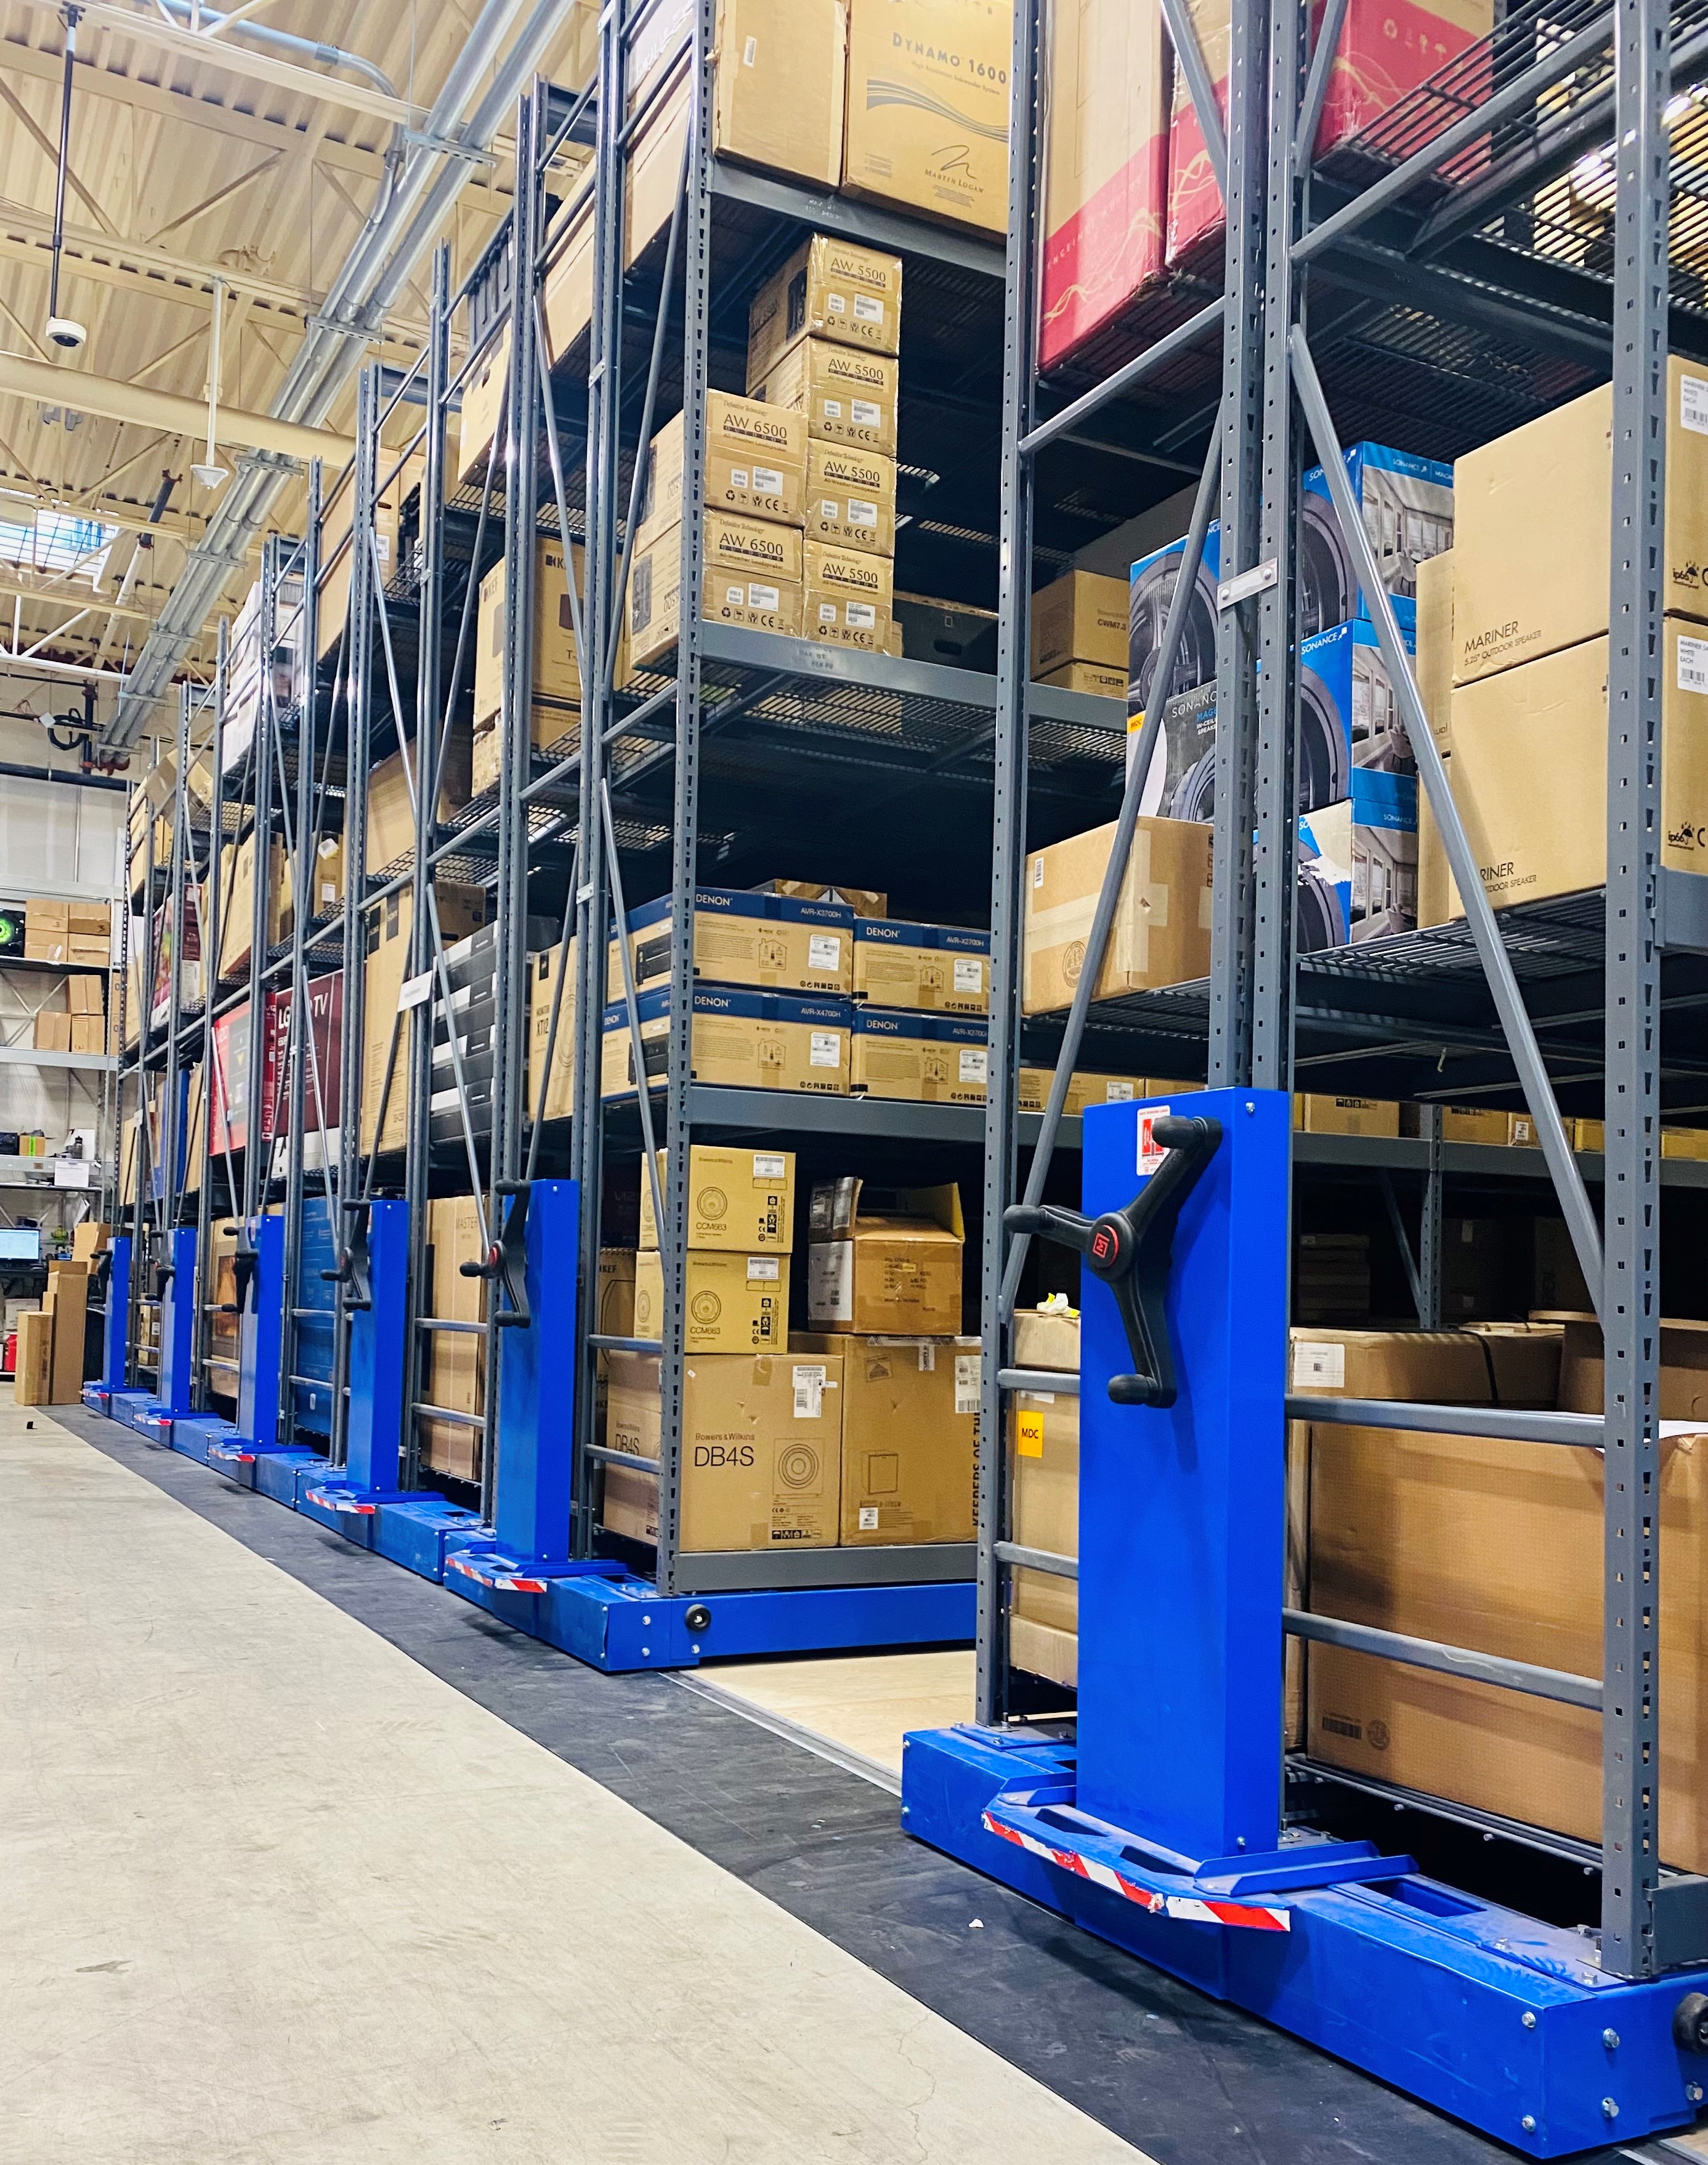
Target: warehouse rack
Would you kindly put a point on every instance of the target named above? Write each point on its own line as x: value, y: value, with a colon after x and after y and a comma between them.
x: 1410, y: 287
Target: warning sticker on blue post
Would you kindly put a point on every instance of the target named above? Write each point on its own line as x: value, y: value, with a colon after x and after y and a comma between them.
x: 1152, y: 1153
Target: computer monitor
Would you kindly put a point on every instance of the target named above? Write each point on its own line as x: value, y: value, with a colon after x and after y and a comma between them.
x: 19, y: 1244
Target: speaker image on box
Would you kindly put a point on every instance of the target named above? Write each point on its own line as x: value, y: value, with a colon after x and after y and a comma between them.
x: 1322, y: 758
x: 1150, y: 596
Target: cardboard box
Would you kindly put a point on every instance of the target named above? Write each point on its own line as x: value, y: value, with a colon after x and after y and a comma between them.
x: 762, y: 1450
x: 1484, y: 1267
x: 930, y: 969
x: 1557, y: 1276
x: 1316, y: 1115
x: 237, y: 902
x: 90, y: 1239
x: 554, y: 730
x: 847, y: 395
x: 863, y: 901
x: 1683, y: 1368
x: 1160, y: 934
x: 1358, y: 864
x: 89, y: 1033
x: 1531, y: 565
x: 1046, y: 1338
x: 1085, y: 1088
x: 736, y: 1303
x: 738, y: 1200
x: 747, y: 1040
x: 1529, y: 767
x: 616, y: 1294
x: 1499, y: 1546
x: 928, y: 107
x: 1331, y: 1277
x: 1095, y: 677
x: 892, y: 1267
x: 751, y: 578
x: 93, y: 918
x: 1435, y: 645
x: 456, y: 1360
x: 544, y: 970
x: 1044, y: 1514
x: 85, y: 995
x: 755, y: 463
x: 1434, y: 1367
x: 1380, y: 58
x: 53, y: 1031
x: 829, y: 288
x: 768, y: 940
x: 1437, y: 891
x: 1349, y: 715
x: 66, y: 1302
x: 1675, y: 1142
x: 337, y: 558
x: 556, y: 672
x: 1406, y: 503
x: 909, y: 1436
x: 846, y: 596
x: 850, y: 499
x: 1475, y: 1124
x: 567, y: 299
x: 1082, y: 617
x: 391, y: 814
x: 385, y: 970
x: 955, y: 634
x: 922, y: 1059
x: 485, y: 398
x: 1106, y: 167
x: 33, y: 1376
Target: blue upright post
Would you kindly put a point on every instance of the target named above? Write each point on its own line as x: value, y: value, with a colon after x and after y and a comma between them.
x: 376, y: 1377
x: 177, y: 1325
x: 235, y: 1450
x: 115, y: 1328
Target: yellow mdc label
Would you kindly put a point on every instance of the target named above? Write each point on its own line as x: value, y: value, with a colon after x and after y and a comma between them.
x: 1029, y: 1435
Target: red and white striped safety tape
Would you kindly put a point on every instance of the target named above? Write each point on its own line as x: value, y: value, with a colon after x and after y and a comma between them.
x: 231, y: 1458
x: 1192, y: 1909
x: 339, y: 1503
x: 499, y: 1585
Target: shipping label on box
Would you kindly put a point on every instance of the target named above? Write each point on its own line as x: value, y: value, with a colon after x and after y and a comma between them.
x: 737, y: 1199
x: 848, y: 396
x: 744, y: 1039
x: 830, y: 288
x: 924, y: 1059
x: 769, y: 940
x: 734, y: 1304
x: 850, y: 498
x: 930, y: 969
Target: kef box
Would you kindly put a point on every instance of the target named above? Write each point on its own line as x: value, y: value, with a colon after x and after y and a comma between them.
x: 1357, y: 864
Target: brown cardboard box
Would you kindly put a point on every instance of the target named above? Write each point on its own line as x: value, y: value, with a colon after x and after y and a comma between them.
x: 762, y: 1450
x: 920, y: 1059
x: 739, y: 1201
x: 89, y: 1033
x: 1677, y: 1142
x: 829, y: 288
x: 1315, y: 1115
x: 1096, y: 677
x: 89, y: 950
x: 461, y: 912
x: 485, y: 397
x: 1437, y: 891
x: 237, y: 902
x: 847, y: 395
x: 863, y: 901
x: 333, y: 612
x: 1529, y: 767
x: 33, y: 1377
x: 544, y: 970
x: 568, y: 295
x: 456, y: 1360
x: 928, y: 969
x: 90, y: 1239
x: 1524, y: 1361
x: 742, y: 938
x: 755, y: 462
x: 53, y: 1031
x: 1044, y: 1510
x: 557, y: 675
x: 1684, y: 1369
x: 1085, y: 1088
x: 556, y: 730
x: 1106, y: 166
x: 850, y: 499
x: 1468, y: 1123
x: 1499, y: 1546
x: 847, y: 596
x: 928, y: 107
x: 92, y: 918
x: 1082, y: 617
x: 909, y: 1436
x: 1046, y: 1338
x: 616, y: 1293
x: 1531, y: 527
x: 391, y: 818
x: 85, y: 994
x: 1160, y: 934
x: 736, y: 1304
x: 47, y: 915
x: 892, y: 1267
x: 747, y: 1039
x: 1438, y: 1367
x: 67, y: 1300
x: 1435, y: 649
x: 752, y: 579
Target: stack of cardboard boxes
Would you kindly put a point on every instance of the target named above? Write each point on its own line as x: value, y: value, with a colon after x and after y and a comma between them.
x: 77, y: 936
x: 1512, y: 653
x: 921, y: 1004
x: 862, y: 1431
x: 555, y: 719
x: 1079, y: 635
x: 1357, y: 836
x: 456, y: 1360
x: 48, y: 1368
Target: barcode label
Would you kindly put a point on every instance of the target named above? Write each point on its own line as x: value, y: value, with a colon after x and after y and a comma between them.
x: 1117, y: 1092
x: 868, y: 1518
x: 1693, y: 403
x: 974, y: 1064
x: 969, y: 977
x: 767, y: 481
x: 833, y: 409
x: 826, y: 1049
x: 415, y: 991
x: 738, y: 476
x: 969, y: 1377
x: 763, y: 598
x: 761, y: 1267
x: 866, y: 411
x: 809, y: 1392
x: 861, y: 513
x: 868, y: 309
x: 1319, y: 1365
x: 1693, y: 664
x: 861, y: 616
x: 767, y: 1168
x: 824, y: 952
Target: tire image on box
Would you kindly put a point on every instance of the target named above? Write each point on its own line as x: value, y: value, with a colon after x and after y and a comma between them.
x: 1149, y: 599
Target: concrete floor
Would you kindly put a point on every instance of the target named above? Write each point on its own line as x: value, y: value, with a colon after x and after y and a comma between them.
x: 270, y: 1892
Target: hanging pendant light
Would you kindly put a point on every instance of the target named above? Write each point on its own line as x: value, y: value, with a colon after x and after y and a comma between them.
x: 210, y: 472
x: 65, y: 331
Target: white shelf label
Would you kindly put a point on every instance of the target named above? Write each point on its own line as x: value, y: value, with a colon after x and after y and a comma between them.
x: 1319, y: 1365
x: 415, y: 991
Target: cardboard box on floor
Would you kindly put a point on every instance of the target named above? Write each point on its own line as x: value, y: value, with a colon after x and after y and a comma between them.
x: 829, y: 288
x: 1532, y: 513
x: 928, y: 107
x: 1106, y: 166
x: 1160, y: 934
x: 1530, y: 766
x: 66, y: 1302
x: 892, y: 1267
x: 909, y: 1435
x: 762, y: 1450
x: 736, y: 1303
x: 1497, y: 1545
x: 33, y: 1375
x: 455, y: 1359
x: 739, y: 1200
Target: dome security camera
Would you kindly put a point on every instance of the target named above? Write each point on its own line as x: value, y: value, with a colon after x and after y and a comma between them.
x: 66, y: 332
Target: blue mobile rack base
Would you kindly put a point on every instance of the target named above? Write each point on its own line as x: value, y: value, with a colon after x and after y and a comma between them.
x: 1160, y: 1828
x: 152, y: 1413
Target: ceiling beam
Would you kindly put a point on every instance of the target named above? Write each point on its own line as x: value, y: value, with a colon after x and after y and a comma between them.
x: 61, y: 601
x: 247, y: 62
x: 47, y: 383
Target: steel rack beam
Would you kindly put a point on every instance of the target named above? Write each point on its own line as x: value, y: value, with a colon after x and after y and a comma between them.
x: 300, y: 1051
x: 1560, y: 1685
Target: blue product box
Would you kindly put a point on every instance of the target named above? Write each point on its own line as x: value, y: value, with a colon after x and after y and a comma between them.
x: 1150, y: 593
x: 1408, y: 506
x: 1348, y: 715
x: 1357, y: 864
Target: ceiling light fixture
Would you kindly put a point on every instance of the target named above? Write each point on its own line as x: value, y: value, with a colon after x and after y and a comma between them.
x: 210, y: 472
x: 65, y: 331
